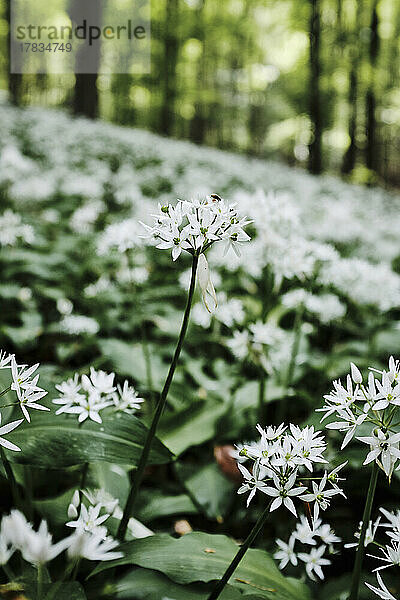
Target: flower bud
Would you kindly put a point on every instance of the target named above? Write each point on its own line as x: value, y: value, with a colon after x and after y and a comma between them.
x: 205, y: 283
x: 72, y: 512
x: 355, y: 374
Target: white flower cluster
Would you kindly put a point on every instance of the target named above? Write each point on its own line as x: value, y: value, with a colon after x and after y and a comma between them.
x: 279, y: 460
x: 27, y: 391
x: 78, y: 324
x: 327, y: 307
x: 305, y: 534
x: 99, y: 507
x: 195, y: 225
x: 12, y: 229
x: 88, y: 396
x: 374, y: 403
x: 84, y: 218
x: 390, y: 553
x: 363, y: 282
x: 120, y: 236
x: 264, y: 343
x: 229, y: 311
x: 37, y: 547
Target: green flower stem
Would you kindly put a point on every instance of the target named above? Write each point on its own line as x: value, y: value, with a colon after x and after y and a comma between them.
x: 296, y: 344
x: 293, y: 358
x: 261, y: 398
x: 40, y: 581
x: 159, y: 410
x: 355, y: 583
x: 11, y: 478
x: 240, y: 554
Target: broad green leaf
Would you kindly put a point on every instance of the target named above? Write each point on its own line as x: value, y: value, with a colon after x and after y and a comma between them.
x: 192, y: 427
x: 54, y: 510
x: 204, y: 557
x: 159, y: 505
x: 143, y: 584
x: 211, y: 489
x: 58, y: 442
x: 128, y: 359
x: 247, y: 395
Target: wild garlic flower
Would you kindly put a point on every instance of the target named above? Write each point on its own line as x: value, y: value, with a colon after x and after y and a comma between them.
x: 92, y: 547
x: 91, y: 539
x: 326, y: 307
x: 6, y: 429
x: 286, y: 553
x: 121, y: 236
x: 79, y: 324
x: 260, y: 343
x: 391, y: 556
x: 195, y: 225
x: 90, y: 520
x: 12, y: 229
x: 36, y: 547
x: 314, y: 562
x: 376, y: 404
x: 127, y: 399
x: 382, y: 591
x: 384, y: 449
x: 5, y: 360
x: 390, y: 552
x: 27, y: 390
x: 369, y: 535
x: 307, y: 536
x: 279, y: 460
x: 87, y: 396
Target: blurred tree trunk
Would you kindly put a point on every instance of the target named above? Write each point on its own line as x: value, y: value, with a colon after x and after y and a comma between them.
x: 171, y: 49
x: 123, y: 110
x: 86, y: 95
x: 315, y: 147
x: 198, y: 123
x: 349, y: 158
x: 372, y: 150
x: 390, y: 134
x: 14, y: 79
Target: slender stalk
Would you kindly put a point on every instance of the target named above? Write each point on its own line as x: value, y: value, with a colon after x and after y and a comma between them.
x: 355, y: 583
x: 159, y: 410
x: 296, y: 344
x: 11, y: 477
x: 293, y: 358
x: 40, y: 581
x: 261, y: 398
x: 240, y: 554
x: 147, y: 358
x: 75, y: 570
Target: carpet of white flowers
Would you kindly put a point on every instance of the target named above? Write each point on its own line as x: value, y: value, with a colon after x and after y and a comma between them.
x: 198, y: 355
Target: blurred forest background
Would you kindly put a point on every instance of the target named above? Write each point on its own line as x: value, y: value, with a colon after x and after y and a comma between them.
x: 311, y: 82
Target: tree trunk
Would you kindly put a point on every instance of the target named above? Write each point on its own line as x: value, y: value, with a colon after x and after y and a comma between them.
x: 350, y: 156
x: 199, y: 122
x: 86, y: 95
x: 171, y: 48
x: 14, y: 79
x: 372, y: 150
x: 315, y: 147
